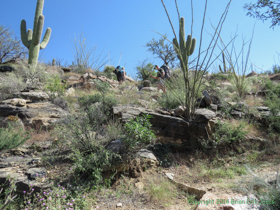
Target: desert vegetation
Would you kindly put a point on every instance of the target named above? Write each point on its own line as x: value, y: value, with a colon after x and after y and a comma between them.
x: 71, y: 137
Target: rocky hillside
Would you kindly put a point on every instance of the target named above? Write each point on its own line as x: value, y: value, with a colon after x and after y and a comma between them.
x: 82, y: 141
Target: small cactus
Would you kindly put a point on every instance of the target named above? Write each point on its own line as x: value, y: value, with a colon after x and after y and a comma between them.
x: 30, y: 39
x: 53, y: 62
x: 225, y: 70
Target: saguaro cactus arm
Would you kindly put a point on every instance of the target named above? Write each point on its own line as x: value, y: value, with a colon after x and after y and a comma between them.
x: 24, y: 36
x: 46, y: 38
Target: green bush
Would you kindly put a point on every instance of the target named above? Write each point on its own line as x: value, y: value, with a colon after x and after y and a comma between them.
x: 55, y: 86
x: 9, y: 138
x: 173, y: 99
x: 108, y: 70
x: 139, y: 132
x: 219, y: 76
x: 102, y: 87
x: 108, y: 101
x: 272, y: 101
x: 81, y: 134
x: 226, y: 134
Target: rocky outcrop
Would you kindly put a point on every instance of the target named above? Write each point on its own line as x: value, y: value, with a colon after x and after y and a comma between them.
x: 34, y: 114
x: 32, y: 96
x: 252, y: 74
x: 170, y: 129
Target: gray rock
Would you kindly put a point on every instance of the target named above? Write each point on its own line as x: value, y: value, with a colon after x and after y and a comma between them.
x: 144, y: 153
x: 33, y: 96
x: 204, y: 115
x: 34, y: 173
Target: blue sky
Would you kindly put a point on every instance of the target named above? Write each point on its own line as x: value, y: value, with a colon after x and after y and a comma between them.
x: 124, y: 27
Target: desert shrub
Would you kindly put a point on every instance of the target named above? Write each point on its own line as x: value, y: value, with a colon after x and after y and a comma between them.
x: 11, y: 83
x: 241, y: 84
x: 272, y: 101
x: 145, y: 70
x: 34, y: 77
x: 269, y: 194
x: 55, y: 86
x: 11, y: 138
x: 107, y: 101
x: 219, y: 76
x: 108, y: 70
x: 226, y: 134
x: 172, y: 99
x: 114, y: 130
x: 81, y: 133
x: 58, y: 197
x: 139, y: 132
x: 102, y: 87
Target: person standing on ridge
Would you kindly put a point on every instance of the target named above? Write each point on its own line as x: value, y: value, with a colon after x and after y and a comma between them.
x: 160, y: 76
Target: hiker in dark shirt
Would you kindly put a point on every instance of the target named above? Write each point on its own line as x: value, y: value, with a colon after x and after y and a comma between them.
x: 119, y: 71
x: 160, y: 77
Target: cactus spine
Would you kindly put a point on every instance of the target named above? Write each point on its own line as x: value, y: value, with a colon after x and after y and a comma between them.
x: 30, y: 39
x: 186, y: 48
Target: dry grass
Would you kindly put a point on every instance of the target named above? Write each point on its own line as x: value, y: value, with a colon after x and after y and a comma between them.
x: 40, y: 136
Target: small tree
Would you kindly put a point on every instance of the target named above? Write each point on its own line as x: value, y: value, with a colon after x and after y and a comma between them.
x: 145, y: 70
x: 10, y: 47
x: 265, y: 9
x: 162, y: 50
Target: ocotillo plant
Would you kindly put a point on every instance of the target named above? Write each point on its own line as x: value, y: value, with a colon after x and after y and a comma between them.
x: 30, y: 39
x: 184, y: 49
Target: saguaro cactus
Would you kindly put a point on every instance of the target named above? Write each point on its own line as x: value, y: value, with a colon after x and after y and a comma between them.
x: 32, y: 39
x: 186, y: 48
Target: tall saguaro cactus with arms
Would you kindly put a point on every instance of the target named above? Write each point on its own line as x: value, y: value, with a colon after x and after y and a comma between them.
x: 32, y: 39
x: 184, y: 49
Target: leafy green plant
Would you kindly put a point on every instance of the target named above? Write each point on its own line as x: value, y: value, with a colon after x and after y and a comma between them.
x: 55, y: 86
x: 9, y: 138
x: 139, y: 132
x: 108, y: 70
x: 145, y: 70
x: 226, y: 134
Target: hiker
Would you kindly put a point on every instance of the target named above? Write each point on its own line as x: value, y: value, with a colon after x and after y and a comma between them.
x: 160, y: 76
x: 119, y: 71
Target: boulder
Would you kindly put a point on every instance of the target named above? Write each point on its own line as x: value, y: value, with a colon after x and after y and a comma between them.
x: 32, y: 96
x: 207, y: 97
x: 35, y: 114
x: 192, y: 190
x: 146, y: 83
x: 70, y: 92
x: 65, y: 70
x: 252, y: 74
x: 275, y: 77
x: 6, y: 69
x: 203, y: 115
